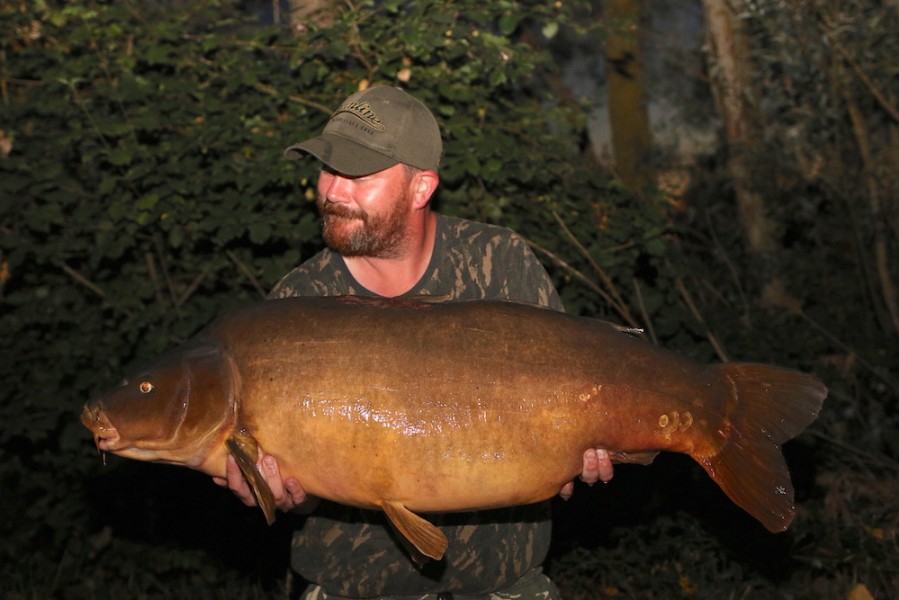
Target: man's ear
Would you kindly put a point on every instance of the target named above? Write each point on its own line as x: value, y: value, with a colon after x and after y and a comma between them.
x: 423, y: 186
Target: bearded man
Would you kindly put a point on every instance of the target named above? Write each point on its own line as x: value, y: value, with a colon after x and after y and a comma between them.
x: 380, y: 153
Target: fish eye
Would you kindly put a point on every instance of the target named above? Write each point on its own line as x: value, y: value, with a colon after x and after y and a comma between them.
x: 145, y: 387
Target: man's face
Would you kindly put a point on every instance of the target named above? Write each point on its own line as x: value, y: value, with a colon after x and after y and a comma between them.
x: 367, y: 215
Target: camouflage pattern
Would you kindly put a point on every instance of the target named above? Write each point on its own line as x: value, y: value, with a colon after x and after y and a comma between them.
x: 471, y: 261
x: 352, y: 553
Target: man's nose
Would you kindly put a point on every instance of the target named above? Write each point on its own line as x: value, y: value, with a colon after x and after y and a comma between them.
x: 337, y: 189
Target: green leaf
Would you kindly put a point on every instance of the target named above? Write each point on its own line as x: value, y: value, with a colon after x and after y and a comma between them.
x: 176, y: 237
x: 107, y: 184
x: 259, y: 232
x: 120, y: 156
x: 147, y: 202
x: 498, y: 78
x: 158, y: 54
x: 491, y: 168
x: 550, y: 30
x: 508, y: 23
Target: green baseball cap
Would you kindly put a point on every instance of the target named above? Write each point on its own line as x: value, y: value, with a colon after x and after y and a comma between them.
x: 373, y: 130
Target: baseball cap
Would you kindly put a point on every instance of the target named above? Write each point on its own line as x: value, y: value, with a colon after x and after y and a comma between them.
x: 373, y: 130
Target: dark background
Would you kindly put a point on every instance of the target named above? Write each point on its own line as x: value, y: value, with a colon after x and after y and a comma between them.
x: 142, y: 192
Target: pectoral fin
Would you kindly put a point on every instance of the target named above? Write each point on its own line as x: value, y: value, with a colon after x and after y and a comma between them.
x: 244, y: 449
x: 423, y: 535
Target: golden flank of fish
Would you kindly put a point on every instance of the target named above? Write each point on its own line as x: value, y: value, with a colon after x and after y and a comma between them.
x: 417, y: 407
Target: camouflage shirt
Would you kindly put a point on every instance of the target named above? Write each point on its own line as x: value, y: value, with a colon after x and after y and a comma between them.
x: 353, y: 553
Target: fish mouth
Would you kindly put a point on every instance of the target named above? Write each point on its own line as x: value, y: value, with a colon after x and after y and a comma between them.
x: 106, y: 435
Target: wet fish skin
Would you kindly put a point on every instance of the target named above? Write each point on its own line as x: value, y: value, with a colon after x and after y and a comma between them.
x: 416, y: 407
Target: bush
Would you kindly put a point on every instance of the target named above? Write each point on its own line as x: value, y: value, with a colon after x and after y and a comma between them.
x: 143, y: 192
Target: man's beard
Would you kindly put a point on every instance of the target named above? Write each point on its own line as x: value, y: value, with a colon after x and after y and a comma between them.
x: 357, y: 233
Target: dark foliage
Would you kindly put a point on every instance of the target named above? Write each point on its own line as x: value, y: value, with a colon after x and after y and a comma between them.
x: 142, y: 192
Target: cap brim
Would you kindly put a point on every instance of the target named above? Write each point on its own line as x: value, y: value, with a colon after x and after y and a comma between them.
x: 342, y: 155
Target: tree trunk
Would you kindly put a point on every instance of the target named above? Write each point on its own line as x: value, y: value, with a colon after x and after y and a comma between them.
x: 628, y: 112
x: 731, y: 80
x: 733, y: 89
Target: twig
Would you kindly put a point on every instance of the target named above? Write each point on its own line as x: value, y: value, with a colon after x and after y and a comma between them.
x: 16, y: 81
x: 82, y: 280
x: 646, y: 319
x: 574, y: 272
x: 151, y: 269
x: 165, y: 271
x: 110, y: 79
x: 860, y: 73
x: 619, y: 305
x: 713, y: 339
x: 731, y: 268
x: 893, y: 384
x: 93, y: 123
x: 271, y: 91
x: 78, y: 277
x: 192, y: 287
x: 90, y: 118
x: 578, y: 275
x: 878, y: 459
x: 246, y: 271
x: 881, y: 253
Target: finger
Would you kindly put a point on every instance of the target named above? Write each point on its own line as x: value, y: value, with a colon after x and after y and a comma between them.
x: 269, y: 469
x: 567, y: 490
x: 604, y: 465
x: 288, y: 494
x: 591, y: 473
x: 295, y: 492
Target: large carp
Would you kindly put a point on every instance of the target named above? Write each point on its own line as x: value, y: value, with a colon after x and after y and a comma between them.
x: 416, y: 407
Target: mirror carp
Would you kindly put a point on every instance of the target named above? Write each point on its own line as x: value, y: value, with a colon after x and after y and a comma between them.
x: 413, y: 407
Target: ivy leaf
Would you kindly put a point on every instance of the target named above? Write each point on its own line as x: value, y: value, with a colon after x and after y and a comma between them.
x: 259, y: 232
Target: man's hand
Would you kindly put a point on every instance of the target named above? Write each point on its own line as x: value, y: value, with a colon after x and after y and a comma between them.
x: 288, y: 493
x: 597, y: 467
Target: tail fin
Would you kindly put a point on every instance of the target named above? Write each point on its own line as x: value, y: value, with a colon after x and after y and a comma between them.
x: 772, y: 405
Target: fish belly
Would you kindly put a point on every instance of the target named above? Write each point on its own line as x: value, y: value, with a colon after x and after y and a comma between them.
x: 455, y: 406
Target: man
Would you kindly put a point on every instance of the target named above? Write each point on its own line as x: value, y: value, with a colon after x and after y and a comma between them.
x: 380, y: 153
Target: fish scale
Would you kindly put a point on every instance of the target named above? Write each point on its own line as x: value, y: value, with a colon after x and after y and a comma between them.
x: 417, y: 407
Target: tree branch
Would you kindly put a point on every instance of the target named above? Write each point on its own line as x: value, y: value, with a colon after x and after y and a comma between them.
x: 272, y: 91
x: 618, y: 302
x: 246, y: 271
